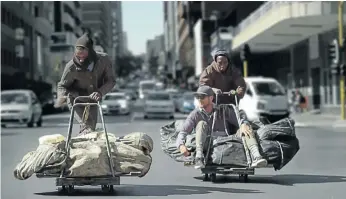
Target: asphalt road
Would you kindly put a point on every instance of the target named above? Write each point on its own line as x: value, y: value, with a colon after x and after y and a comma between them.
x: 318, y: 170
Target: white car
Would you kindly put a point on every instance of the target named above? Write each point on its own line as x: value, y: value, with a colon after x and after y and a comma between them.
x: 116, y: 103
x: 20, y: 107
x: 264, y: 97
x: 159, y: 104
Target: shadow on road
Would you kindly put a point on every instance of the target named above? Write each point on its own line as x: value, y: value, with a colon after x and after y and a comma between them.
x: 6, y: 134
x: 286, y: 180
x: 153, y: 190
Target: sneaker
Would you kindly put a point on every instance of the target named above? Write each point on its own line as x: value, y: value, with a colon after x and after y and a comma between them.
x: 259, y: 162
x: 199, y: 163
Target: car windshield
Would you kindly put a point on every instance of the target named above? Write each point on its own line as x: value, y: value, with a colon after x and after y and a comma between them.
x: 14, y: 98
x: 268, y: 88
x: 147, y: 86
x: 158, y: 96
x: 114, y: 97
x: 189, y: 97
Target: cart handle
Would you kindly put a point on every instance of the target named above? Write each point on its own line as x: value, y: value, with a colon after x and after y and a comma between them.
x: 232, y: 92
x: 81, y: 98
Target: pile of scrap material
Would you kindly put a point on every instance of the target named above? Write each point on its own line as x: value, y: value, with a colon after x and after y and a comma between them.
x: 88, y: 156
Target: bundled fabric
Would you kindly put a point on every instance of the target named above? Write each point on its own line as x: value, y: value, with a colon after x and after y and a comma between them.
x: 229, y: 151
x: 278, y: 144
x: 88, y: 156
x: 169, y: 135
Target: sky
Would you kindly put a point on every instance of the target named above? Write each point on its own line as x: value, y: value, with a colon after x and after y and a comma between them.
x: 142, y: 20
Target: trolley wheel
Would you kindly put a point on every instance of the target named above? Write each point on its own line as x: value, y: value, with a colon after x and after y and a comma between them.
x: 206, y: 177
x: 107, y: 188
x: 243, y: 177
x: 70, y: 189
x: 63, y: 189
x: 213, y: 177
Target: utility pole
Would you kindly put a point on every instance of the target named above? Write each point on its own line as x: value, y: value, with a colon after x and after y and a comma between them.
x: 341, y: 45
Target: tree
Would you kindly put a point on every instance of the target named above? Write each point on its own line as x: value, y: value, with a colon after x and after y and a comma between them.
x: 128, y: 64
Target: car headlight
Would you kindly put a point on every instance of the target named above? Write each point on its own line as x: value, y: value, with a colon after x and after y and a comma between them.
x: 260, y: 106
x: 123, y: 104
x: 104, y: 106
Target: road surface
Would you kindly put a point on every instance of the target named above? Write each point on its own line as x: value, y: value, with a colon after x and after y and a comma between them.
x: 318, y: 170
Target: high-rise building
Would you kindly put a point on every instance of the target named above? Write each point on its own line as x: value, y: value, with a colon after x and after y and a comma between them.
x: 171, y: 36
x: 125, y: 42
x: 26, y: 28
x: 67, y: 28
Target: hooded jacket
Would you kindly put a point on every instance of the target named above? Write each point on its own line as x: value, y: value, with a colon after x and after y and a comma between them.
x: 82, y: 79
x: 225, y: 81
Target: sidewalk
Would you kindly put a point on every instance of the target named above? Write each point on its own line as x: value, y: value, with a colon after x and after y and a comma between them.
x: 318, y: 120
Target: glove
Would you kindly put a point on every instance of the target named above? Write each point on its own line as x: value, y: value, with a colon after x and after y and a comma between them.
x: 217, y: 91
x: 96, y: 96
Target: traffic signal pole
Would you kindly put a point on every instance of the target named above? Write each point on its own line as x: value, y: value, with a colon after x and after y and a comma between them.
x: 341, y: 43
x: 245, y: 68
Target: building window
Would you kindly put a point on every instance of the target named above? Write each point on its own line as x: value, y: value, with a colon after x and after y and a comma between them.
x: 36, y: 11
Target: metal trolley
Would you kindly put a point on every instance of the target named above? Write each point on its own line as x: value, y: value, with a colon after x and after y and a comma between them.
x: 211, y: 170
x: 67, y: 184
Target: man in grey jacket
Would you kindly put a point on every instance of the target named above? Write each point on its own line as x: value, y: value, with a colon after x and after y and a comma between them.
x: 201, y: 119
x: 87, y: 74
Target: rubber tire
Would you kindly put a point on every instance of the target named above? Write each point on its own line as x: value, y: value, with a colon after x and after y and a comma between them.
x: 3, y: 126
x: 39, y: 122
x: 146, y: 117
x: 171, y: 117
x: 31, y: 123
x: 63, y: 189
x: 70, y: 189
x: 243, y: 177
x: 213, y: 177
x: 107, y: 188
x: 206, y: 177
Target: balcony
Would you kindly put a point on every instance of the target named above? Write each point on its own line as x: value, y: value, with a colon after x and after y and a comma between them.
x: 67, y: 19
x: 276, y: 25
x: 43, y: 26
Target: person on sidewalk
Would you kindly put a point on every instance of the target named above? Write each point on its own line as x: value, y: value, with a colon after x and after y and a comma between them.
x: 221, y: 76
x: 201, y: 119
x: 87, y: 74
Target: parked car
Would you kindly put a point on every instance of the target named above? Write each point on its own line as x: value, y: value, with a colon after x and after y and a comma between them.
x: 186, y: 103
x: 20, y: 107
x: 176, y: 96
x: 264, y: 98
x: 159, y: 104
x: 115, y: 103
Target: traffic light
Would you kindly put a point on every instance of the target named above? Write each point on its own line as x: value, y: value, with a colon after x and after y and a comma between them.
x: 245, y: 52
x: 343, y: 70
x: 334, y: 53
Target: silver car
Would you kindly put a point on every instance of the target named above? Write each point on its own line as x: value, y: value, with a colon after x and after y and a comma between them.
x: 116, y: 103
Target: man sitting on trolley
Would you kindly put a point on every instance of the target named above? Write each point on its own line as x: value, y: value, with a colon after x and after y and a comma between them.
x: 201, y: 119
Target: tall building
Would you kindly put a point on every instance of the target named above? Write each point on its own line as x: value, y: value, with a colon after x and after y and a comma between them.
x: 155, y: 46
x: 67, y: 29
x: 26, y: 28
x: 125, y: 43
x: 97, y: 18
x: 118, y: 28
x: 171, y: 36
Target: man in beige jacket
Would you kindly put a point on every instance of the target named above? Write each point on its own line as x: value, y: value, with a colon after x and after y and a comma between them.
x: 87, y: 74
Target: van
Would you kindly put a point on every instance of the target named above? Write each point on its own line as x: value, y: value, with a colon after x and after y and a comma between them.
x: 264, y: 98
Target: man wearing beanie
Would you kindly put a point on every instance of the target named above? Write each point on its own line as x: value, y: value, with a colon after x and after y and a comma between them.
x: 87, y: 74
x: 223, y: 77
